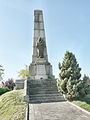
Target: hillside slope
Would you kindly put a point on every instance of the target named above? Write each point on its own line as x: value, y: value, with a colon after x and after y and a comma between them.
x: 12, y: 106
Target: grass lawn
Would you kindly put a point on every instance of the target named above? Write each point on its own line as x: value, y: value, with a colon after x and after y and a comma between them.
x: 83, y: 104
x: 12, y: 106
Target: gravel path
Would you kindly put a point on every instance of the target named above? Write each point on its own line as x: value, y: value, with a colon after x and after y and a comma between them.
x: 56, y: 111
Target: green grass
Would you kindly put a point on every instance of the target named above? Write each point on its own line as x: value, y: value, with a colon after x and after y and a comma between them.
x: 83, y: 104
x: 12, y: 106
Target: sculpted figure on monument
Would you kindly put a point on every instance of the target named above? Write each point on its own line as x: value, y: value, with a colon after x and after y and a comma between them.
x: 40, y: 46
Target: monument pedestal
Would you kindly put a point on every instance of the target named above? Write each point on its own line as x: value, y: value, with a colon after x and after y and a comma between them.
x: 41, y: 69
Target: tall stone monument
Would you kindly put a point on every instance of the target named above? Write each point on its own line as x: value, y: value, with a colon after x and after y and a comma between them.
x: 40, y: 68
x: 40, y: 86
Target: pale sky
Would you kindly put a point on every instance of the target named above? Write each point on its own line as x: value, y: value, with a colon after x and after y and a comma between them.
x: 67, y: 27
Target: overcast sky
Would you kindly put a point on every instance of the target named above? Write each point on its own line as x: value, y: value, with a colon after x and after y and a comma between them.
x: 67, y: 27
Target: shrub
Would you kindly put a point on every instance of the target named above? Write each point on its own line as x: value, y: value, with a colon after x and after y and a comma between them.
x: 87, y: 98
x: 4, y: 90
x: 9, y: 84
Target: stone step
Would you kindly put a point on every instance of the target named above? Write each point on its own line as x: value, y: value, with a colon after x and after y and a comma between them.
x: 39, y: 97
x: 44, y: 82
x: 43, y: 88
x: 45, y: 95
x: 43, y: 92
x: 41, y: 85
x: 35, y: 91
x: 47, y: 99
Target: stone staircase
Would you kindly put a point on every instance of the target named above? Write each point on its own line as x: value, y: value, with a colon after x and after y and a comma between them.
x: 43, y: 90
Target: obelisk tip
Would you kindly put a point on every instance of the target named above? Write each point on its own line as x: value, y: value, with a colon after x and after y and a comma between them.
x: 37, y: 11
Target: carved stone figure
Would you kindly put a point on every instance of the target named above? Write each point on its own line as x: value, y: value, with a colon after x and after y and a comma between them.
x: 40, y: 46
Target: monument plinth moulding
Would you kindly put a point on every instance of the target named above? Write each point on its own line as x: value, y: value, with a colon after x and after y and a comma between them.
x: 40, y: 86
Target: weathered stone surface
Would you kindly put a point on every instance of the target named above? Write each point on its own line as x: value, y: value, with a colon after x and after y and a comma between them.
x: 56, y: 111
x: 41, y: 84
x: 41, y: 70
x: 19, y: 84
x: 38, y: 31
x: 39, y: 67
x: 43, y: 90
x: 40, y: 46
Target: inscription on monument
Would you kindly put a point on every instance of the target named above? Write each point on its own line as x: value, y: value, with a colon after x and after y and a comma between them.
x: 41, y: 70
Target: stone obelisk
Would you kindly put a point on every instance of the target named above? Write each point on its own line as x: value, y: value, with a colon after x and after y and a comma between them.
x: 40, y: 68
x: 38, y: 32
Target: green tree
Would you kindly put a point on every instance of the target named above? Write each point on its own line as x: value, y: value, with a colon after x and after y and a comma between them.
x: 86, y: 86
x: 70, y: 83
x: 85, y: 78
x: 1, y: 71
x: 24, y: 73
x: 9, y: 84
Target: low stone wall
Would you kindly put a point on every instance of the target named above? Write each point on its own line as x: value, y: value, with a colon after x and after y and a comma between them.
x: 19, y: 84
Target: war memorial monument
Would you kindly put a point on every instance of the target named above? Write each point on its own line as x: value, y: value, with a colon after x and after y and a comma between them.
x: 41, y: 85
x: 40, y: 88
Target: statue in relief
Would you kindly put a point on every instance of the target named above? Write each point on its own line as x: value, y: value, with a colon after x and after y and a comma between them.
x: 40, y: 47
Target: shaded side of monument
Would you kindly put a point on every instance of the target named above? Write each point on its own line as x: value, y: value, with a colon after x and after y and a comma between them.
x: 41, y: 85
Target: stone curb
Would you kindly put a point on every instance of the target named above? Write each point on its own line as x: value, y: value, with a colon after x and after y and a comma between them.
x: 82, y: 109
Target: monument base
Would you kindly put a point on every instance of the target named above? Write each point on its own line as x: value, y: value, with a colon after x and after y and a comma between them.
x: 41, y: 69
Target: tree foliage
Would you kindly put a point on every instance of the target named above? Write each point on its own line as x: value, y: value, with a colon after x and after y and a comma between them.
x: 70, y: 83
x: 9, y: 84
x: 1, y: 71
x: 85, y: 78
x: 24, y: 73
x: 86, y: 85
